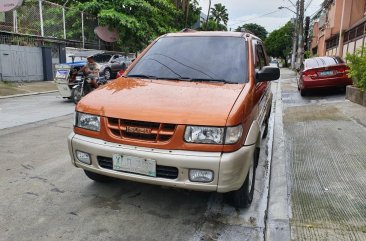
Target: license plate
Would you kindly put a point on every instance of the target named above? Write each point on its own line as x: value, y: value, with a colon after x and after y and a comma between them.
x: 326, y: 73
x: 134, y: 164
x: 61, y: 74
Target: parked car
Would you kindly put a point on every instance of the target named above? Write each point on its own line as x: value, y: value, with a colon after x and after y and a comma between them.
x: 274, y: 63
x: 322, y: 72
x: 111, y: 63
x: 181, y: 119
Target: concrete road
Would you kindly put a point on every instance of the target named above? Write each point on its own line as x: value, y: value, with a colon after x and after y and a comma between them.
x: 325, y: 153
x: 27, y: 109
x: 43, y: 197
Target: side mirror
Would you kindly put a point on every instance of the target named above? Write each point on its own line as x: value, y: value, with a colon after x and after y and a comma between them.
x: 113, y: 61
x: 267, y: 73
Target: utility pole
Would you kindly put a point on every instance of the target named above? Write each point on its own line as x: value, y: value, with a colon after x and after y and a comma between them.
x: 295, y: 38
x: 208, y: 13
x: 300, y: 50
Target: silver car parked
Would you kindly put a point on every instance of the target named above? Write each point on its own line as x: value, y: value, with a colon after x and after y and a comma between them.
x: 111, y: 63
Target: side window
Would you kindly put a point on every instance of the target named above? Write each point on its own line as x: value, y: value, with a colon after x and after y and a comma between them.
x: 261, y: 57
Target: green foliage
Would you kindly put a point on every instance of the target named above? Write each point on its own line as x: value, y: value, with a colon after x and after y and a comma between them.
x: 279, y: 42
x: 212, y: 25
x: 139, y: 21
x: 307, y: 54
x: 217, y: 20
x: 219, y: 14
x: 256, y: 29
x: 357, y: 64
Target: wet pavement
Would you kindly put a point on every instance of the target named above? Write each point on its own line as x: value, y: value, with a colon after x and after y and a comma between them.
x: 29, y: 109
x: 325, y: 143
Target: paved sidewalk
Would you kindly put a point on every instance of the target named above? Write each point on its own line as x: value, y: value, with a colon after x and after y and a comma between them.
x: 325, y: 143
x: 26, y: 88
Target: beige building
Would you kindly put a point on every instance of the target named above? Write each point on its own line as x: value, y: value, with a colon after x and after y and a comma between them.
x: 342, y: 24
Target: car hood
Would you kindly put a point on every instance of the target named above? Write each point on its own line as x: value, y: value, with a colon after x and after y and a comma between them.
x: 177, y: 102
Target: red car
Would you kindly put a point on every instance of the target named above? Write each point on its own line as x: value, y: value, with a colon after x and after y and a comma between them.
x: 323, y: 72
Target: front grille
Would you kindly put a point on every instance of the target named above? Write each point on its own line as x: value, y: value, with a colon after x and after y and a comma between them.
x: 161, y: 171
x: 141, y: 130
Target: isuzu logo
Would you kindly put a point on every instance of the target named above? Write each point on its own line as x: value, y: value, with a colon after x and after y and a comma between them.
x: 138, y: 130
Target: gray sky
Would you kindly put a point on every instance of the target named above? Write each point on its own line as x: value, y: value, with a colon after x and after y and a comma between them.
x: 242, y: 10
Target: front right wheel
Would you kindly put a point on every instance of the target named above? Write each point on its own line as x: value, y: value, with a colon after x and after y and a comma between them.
x: 243, y: 197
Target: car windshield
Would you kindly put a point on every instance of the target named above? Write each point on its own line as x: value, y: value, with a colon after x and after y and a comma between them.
x: 190, y: 58
x: 102, y: 58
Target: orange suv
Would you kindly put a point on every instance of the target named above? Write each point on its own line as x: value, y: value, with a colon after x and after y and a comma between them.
x: 189, y: 113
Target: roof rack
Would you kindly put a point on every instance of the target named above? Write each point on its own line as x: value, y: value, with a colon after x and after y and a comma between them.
x: 187, y: 30
x: 244, y: 30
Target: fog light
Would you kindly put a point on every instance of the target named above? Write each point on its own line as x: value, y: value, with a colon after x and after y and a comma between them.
x: 196, y: 175
x: 83, y: 157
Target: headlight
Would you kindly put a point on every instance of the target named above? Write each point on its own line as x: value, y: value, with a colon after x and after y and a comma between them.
x: 202, y: 134
x: 213, y: 135
x: 87, y: 121
x: 233, y: 134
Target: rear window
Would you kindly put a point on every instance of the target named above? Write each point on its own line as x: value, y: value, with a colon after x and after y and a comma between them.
x: 102, y: 58
x: 195, y: 58
x: 322, y: 62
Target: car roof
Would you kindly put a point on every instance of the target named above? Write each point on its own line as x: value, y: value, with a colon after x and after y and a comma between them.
x: 206, y: 33
x: 194, y: 33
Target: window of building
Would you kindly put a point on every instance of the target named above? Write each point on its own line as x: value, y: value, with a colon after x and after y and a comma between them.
x: 2, y: 17
x: 355, y: 33
x: 332, y: 42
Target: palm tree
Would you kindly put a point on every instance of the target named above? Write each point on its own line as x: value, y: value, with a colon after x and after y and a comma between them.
x: 219, y: 13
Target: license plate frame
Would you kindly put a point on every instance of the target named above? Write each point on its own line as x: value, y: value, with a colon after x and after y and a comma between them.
x: 134, y: 164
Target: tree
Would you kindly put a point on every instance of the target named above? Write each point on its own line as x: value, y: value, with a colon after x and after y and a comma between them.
x: 140, y: 21
x: 219, y: 14
x: 279, y: 42
x: 212, y: 25
x: 256, y: 29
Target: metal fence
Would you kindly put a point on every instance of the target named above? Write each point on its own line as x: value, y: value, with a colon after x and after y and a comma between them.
x: 52, y: 21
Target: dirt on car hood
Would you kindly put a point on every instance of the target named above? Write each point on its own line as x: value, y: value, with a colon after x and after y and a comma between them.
x: 164, y: 101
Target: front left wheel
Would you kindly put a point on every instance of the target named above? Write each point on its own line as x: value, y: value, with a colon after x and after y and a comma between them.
x: 243, y: 197
x: 97, y: 177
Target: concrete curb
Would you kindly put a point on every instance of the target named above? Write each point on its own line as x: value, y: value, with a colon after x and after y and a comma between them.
x: 278, y: 219
x: 28, y: 94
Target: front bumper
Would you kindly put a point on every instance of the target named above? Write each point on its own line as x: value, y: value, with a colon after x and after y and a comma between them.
x: 230, y: 169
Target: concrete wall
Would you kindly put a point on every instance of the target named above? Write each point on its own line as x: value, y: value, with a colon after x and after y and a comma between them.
x: 20, y: 63
x: 357, y: 12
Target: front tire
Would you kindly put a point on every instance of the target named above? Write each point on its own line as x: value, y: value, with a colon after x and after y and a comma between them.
x: 107, y: 74
x: 97, y: 177
x: 243, y: 197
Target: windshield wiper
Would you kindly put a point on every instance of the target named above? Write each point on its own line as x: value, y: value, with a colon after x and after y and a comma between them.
x: 212, y: 80
x: 143, y: 76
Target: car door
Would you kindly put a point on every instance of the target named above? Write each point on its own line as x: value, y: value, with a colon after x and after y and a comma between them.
x: 261, y: 95
x: 115, y: 63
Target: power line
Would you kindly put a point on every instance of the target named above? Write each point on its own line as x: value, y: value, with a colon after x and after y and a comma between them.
x: 308, y: 5
x: 266, y: 14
